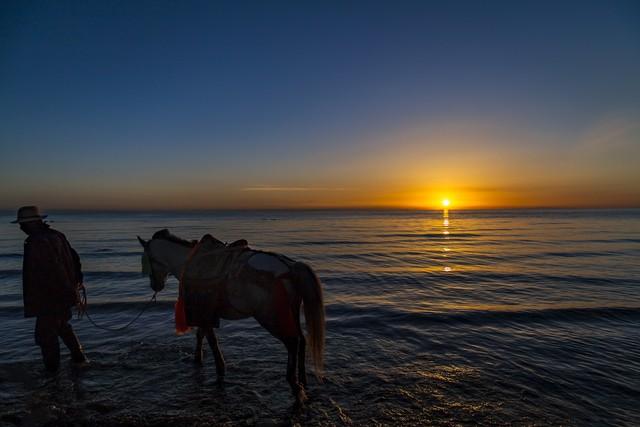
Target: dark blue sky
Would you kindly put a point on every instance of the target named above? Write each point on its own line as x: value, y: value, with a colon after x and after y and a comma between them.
x: 106, y: 103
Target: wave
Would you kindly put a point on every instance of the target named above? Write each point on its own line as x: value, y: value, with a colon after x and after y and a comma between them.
x: 10, y: 274
x: 106, y: 253
x: 472, y: 277
x: 396, y: 278
x: 120, y: 275
x: 580, y: 254
x: 553, y: 254
x: 627, y: 240
x: 408, y: 256
x: 100, y: 253
x: 379, y: 316
x: 347, y: 315
x: 452, y: 234
x: 104, y: 307
x: 88, y: 275
x: 328, y: 243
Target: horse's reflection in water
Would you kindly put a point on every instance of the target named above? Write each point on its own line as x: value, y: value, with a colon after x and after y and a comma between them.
x: 273, y: 299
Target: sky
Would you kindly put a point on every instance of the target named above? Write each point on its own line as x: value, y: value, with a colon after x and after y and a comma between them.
x: 269, y: 104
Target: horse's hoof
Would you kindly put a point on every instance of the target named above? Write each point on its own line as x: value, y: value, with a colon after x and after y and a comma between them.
x: 301, y: 397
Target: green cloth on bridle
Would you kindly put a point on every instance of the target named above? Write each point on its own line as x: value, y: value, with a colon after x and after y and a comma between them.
x: 146, y: 264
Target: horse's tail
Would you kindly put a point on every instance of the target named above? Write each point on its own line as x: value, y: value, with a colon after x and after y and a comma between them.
x: 309, y: 286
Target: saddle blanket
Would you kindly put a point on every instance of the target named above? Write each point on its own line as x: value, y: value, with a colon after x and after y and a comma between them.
x: 204, y: 278
x: 211, y: 266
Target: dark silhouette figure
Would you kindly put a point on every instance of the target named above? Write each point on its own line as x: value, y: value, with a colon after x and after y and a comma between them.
x: 51, y: 280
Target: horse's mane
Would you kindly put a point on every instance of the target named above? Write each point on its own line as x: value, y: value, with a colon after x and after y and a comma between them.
x: 166, y: 235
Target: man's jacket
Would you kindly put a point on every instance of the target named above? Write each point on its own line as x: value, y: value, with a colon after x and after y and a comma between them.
x: 51, y: 273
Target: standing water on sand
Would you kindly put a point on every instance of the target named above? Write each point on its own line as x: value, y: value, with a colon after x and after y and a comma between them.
x: 479, y: 317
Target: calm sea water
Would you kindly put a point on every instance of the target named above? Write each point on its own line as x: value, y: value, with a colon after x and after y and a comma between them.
x: 493, y: 317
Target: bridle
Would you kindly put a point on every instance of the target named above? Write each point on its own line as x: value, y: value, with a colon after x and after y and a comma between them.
x: 147, y: 266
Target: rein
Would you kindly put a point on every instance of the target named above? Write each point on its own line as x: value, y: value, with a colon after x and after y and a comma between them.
x: 106, y: 328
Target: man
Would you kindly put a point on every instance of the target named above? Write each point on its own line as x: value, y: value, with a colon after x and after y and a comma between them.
x: 51, y: 279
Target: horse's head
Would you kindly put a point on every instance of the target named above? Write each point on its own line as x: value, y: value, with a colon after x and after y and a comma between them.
x: 157, y: 270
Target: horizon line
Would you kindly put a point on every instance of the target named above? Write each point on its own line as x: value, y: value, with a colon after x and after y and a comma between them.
x: 337, y: 208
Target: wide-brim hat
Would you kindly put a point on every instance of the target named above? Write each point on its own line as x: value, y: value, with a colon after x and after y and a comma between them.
x: 28, y: 214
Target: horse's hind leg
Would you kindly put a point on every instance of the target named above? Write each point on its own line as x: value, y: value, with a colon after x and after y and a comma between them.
x: 302, y: 343
x: 302, y: 371
x: 217, y: 354
x: 293, y: 346
x: 293, y: 343
x: 198, y: 352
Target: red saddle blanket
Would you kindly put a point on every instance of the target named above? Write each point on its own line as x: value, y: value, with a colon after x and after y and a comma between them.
x: 203, y: 281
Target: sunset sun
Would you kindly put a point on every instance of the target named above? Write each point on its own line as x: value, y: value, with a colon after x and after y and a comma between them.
x: 432, y: 205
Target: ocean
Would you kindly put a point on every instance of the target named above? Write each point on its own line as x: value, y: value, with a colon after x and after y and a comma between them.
x: 512, y: 317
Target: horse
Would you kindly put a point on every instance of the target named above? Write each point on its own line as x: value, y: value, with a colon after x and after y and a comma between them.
x: 293, y: 282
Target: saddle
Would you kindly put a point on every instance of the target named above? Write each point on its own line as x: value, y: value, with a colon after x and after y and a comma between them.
x: 202, y: 285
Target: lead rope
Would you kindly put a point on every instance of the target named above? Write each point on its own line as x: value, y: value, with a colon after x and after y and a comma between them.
x: 106, y: 328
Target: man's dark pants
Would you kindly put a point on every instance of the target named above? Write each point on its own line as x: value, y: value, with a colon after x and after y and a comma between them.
x: 48, y: 329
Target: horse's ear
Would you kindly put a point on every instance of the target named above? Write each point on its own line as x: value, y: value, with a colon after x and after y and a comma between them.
x: 142, y: 242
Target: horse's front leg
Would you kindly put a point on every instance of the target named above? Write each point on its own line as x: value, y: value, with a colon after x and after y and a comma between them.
x: 217, y: 354
x: 198, y: 353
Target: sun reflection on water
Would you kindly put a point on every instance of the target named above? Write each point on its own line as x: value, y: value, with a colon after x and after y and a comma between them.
x: 445, y: 232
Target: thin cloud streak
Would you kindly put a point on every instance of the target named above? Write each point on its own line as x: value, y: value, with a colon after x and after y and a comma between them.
x: 295, y: 189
